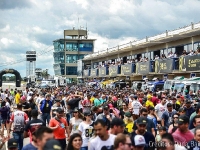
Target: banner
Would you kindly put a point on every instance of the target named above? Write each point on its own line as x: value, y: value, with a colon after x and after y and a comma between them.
x: 86, y: 73
x: 113, y: 71
x: 189, y: 63
x: 127, y: 69
x: 102, y: 72
x: 93, y: 73
x: 143, y: 68
x: 163, y: 65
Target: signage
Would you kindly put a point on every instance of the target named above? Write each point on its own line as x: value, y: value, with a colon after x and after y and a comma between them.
x: 143, y: 68
x: 9, y: 71
x: 85, y: 73
x: 102, y: 72
x: 113, y: 71
x: 163, y: 65
x: 93, y: 72
x: 189, y: 63
x: 126, y: 69
x: 192, y: 75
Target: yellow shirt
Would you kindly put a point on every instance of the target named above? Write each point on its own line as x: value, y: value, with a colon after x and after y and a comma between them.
x: 129, y: 127
x: 92, y: 99
x: 17, y: 98
x: 178, y: 102
x: 149, y: 103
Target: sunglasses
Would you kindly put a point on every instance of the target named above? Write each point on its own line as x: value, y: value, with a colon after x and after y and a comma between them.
x: 129, y: 144
x: 123, y: 105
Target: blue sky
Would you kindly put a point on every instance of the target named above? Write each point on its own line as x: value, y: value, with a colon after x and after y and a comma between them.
x: 33, y: 24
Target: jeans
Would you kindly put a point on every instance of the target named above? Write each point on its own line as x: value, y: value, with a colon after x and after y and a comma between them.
x: 46, y: 117
x: 84, y: 148
x: 62, y: 143
x: 20, y: 138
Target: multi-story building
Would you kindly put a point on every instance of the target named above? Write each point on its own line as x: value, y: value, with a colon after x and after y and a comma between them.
x: 67, y: 51
x: 170, y: 54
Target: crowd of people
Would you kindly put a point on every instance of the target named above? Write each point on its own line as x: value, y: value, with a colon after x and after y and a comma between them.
x: 83, y: 118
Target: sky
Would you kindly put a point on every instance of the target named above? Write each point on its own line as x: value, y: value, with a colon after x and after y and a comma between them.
x: 32, y: 25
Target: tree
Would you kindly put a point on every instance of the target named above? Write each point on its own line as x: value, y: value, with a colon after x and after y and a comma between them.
x: 45, y: 74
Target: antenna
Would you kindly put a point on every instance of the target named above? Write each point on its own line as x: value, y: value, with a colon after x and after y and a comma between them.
x: 78, y: 23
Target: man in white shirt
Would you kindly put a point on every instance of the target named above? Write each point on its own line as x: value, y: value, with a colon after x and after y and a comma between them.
x: 103, y: 138
x: 161, y: 108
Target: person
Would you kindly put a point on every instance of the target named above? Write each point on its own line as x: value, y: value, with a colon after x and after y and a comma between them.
x: 44, y: 108
x: 106, y: 115
x: 117, y: 126
x: 136, y: 106
x: 5, y: 111
x: 166, y: 118
x: 122, y: 142
x: 12, y: 144
x: 129, y: 122
x: 123, y: 110
x: 152, y: 116
x: 42, y: 135
x: 160, y: 108
x: 194, y: 144
x: 17, y: 97
x: 3, y: 140
x: 32, y: 145
x: 86, y: 130
x: 59, y: 126
x: 162, y: 130
x: 189, y: 108
x: 196, y: 122
x: 55, y: 107
x: 174, y: 124
x: 33, y: 124
x: 150, y: 125
x: 183, y: 135
x: 75, y: 142
x: 103, y: 138
x: 25, y: 105
x: 167, y: 143
x: 19, y: 119
x: 139, y: 142
x: 74, y: 122
x: 52, y: 144
x: 149, y: 101
x: 141, y: 130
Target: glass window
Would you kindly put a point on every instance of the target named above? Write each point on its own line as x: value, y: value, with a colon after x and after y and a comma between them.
x: 58, y: 46
x: 71, y: 47
x: 58, y: 57
x: 152, y: 56
x: 165, y: 51
x: 86, y: 47
x: 186, y: 48
x: 59, y: 69
x: 189, y: 47
x: 196, y: 45
x: 81, y: 56
x: 71, y: 58
x: 71, y: 70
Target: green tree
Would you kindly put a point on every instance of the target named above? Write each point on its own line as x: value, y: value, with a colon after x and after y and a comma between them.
x: 45, y: 74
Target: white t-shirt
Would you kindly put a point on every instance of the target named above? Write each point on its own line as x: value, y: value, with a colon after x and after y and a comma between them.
x: 87, y: 132
x: 97, y: 143
x: 136, y: 107
x: 75, y: 124
x: 160, y: 109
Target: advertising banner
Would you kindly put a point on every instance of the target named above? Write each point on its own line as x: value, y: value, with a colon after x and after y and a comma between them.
x: 86, y: 73
x: 113, y: 71
x: 102, y: 72
x: 127, y: 69
x: 163, y: 65
x: 189, y: 63
x: 143, y: 68
x: 94, y: 73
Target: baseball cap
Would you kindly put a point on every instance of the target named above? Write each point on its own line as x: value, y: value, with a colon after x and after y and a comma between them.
x: 110, y: 106
x: 188, y: 101
x: 59, y: 110
x: 48, y: 95
x: 106, y: 107
x: 132, y: 95
x: 183, y: 119
x: 75, y: 110
x: 117, y: 122
x: 23, y: 98
x: 12, y: 143
x: 139, y: 140
x: 149, y: 96
x: 127, y: 114
x: 52, y: 144
x: 141, y: 120
x: 57, y: 100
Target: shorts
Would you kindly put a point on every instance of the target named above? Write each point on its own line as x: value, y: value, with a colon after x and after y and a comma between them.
x: 4, y: 121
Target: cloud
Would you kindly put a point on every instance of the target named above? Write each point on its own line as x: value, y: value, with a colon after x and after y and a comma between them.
x: 11, y: 4
x: 33, y: 24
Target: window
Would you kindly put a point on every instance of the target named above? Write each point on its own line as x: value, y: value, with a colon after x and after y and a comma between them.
x: 196, y: 45
x: 71, y: 70
x: 58, y: 57
x: 71, y: 58
x: 71, y: 46
x: 58, y: 46
x: 86, y: 47
x: 81, y: 56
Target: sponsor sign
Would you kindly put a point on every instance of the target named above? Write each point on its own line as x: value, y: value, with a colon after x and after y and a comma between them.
x: 113, y: 71
x: 127, y: 69
x: 163, y: 65
x: 143, y: 68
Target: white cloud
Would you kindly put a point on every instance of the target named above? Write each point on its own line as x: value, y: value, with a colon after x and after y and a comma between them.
x: 33, y: 25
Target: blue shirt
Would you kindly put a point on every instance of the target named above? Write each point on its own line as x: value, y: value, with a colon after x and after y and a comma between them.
x: 29, y: 147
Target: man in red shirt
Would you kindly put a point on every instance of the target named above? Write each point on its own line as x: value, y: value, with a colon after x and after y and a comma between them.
x: 155, y: 100
x: 59, y: 126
